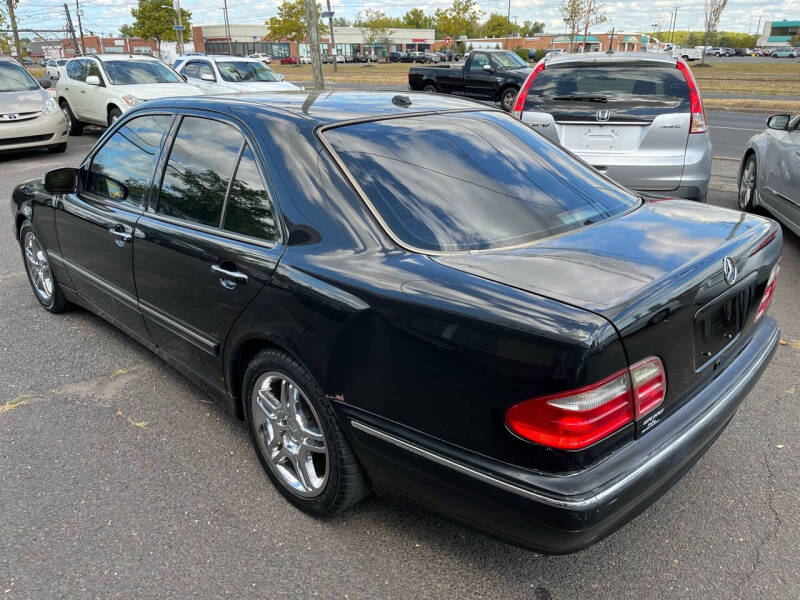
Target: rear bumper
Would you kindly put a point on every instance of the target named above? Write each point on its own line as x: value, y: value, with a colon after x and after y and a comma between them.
x: 550, y: 513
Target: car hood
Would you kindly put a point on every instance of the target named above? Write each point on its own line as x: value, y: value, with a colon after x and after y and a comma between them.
x: 151, y: 91
x: 259, y: 86
x: 23, y: 101
x: 606, y: 266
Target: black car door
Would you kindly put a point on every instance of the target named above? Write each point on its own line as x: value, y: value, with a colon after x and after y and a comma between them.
x: 96, y: 225
x: 478, y: 82
x: 208, y: 242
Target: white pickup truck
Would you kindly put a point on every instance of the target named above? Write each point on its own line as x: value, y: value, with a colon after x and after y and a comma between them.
x: 686, y: 53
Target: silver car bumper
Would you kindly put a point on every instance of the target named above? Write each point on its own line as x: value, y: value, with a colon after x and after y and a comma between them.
x: 32, y: 133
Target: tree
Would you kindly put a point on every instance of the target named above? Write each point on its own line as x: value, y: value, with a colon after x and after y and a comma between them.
x: 126, y: 30
x: 341, y: 22
x: 529, y: 29
x: 417, y: 19
x: 290, y: 23
x: 571, y: 14
x: 375, y: 27
x: 498, y: 26
x: 458, y: 19
x: 153, y: 20
x: 713, y: 13
x: 594, y: 16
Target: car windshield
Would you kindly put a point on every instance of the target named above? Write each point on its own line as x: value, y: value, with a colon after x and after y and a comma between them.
x: 508, y: 60
x: 133, y: 72
x: 243, y: 71
x: 14, y: 78
x: 61, y: 63
x: 458, y: 182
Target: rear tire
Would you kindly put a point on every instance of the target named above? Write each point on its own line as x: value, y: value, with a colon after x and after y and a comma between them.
x: 748, y: 179
x: 74, y: 126
x: 297, y: 436
x: 429, y: 88
x: 507, y: 99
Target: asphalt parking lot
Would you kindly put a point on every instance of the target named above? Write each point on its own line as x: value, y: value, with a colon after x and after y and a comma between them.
x: 120, y: 479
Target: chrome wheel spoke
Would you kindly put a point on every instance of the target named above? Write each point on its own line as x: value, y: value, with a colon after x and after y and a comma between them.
x: 38, y: 267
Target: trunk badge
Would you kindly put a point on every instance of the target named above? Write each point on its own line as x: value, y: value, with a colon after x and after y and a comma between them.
x: 603, y: 115
x: 729, y: 270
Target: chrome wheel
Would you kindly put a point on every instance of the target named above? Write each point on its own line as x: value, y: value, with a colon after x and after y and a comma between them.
x: 747, y: 185
x: 65, y: 110
x: 38, y: 267
x: 289, y: 433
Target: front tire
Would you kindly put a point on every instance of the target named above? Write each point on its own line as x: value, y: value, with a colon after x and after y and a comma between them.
x: 747, y: 184
x: 40, y: 276
x: 113, y: 115
x: 297, y: 437
x: 507, y: 99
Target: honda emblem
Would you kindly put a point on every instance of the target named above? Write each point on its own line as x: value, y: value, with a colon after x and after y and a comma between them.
x: 603, y: 115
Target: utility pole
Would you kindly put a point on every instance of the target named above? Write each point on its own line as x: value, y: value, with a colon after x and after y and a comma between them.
x: 13, y: 20
x: 333, y: 37
x: 177, y: 7
x: 509, y: 23
x: 80, y: 27
x: 674, y: 23
x: 312, y: 21
x: 71, y: 29
x: 227, y: 27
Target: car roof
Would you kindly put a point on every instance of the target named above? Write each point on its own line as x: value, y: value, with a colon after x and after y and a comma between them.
x: 120, y: 56
x: 612, y: 58
x: 322, y: 108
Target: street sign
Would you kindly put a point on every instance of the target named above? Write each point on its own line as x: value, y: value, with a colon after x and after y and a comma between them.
x: 178, y: 27
x: 327, y: 14
x: 447, y: 41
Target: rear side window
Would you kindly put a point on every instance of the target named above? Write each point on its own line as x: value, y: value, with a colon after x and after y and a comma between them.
x: 199, y: 169
x: 630, y: 90
x: 75, y: 70
x: 121, y: 169
x: 248, y: 210
x: 471, y: 181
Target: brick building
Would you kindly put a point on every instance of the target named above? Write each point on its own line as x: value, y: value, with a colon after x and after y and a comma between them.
x: 93, y: 44
x: 596, y: 42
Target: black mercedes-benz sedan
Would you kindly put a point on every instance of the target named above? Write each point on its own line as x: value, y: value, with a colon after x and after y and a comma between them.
x: 418, y: 295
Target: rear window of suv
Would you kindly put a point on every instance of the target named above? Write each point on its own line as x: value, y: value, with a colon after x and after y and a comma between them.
x: 634, y: 89
x: 466, y: 181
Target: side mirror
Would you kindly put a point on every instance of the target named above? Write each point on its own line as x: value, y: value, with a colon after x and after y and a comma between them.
x: 488, y: 68
x: 280, y: 76
x: 207, y: 77
x: 45, y: 83
x: 92, y: 80
x: 61, y: 181
x: 779, y: 122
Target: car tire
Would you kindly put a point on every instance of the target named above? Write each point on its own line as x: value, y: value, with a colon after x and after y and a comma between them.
x: 296, y: 435
x: 429, y: 88
x: 58, y: 148
x: 507, y: 98
x: 748, y: 179
x: 113, y: 114
x: 74, y: 127
x: 40, y: 275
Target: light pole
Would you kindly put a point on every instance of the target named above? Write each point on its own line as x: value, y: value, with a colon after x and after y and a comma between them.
x: 509, y: 23
x: 329, y: 15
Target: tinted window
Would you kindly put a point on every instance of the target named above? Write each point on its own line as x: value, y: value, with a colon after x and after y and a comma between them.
x: 121, y: 169
x: 471, y: 181
x: 200, y: 166
x: 248, y: 210
x: 92, y: 68
x: 190, y: 70
x: 478, y: 61
x: 638, y: 89
x: 75, y: 70
x: 242, y: 71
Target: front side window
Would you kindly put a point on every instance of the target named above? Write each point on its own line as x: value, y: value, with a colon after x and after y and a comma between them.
x: 478, y: 62
x: 121, y: 169
x: 14, y: 78
x: 92, y: 68
x: 199, y: 169
x: 203, y: 68
x: 243, y: 71
x: 248, y: 210
x: 191, y: 70
x: 472, y: 181
x: 139, y: 72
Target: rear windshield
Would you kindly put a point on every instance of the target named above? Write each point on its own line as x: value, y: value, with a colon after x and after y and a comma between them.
x: 472, y: 181
x: 635, y: 90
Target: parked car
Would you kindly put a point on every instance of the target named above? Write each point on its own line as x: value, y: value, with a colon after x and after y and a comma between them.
x: 417, y: 57
x: 431, y: 57
x: 361, y: 58
x: 98, y: 89
x: 305, y: 60
x: 394, y: 56
x: 406, y: 57
x: 742, y: 52
x: 486, y: 75
x: 289, y: 60
x: 54, y: 66
x: 715, y: 51
x: 636, y: 117
x: 449, y: 309
x: 231, y: 74
x: 265, y: 58
x: 29, y: 115
x: 686, y: 53
x: 769, y: 176
x: 784, y: 53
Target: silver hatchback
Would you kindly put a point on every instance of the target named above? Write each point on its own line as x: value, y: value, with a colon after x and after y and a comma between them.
x: 637, y: 117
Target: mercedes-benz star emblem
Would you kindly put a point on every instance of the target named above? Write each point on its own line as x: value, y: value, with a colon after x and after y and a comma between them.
x: 729, y: 270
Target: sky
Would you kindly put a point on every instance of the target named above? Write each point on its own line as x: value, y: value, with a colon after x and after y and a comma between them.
x: 105, y: 16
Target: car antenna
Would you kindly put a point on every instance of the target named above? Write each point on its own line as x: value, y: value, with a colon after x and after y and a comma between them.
x: 400, y: 100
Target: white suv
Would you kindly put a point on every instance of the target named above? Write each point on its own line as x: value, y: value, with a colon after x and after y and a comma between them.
x: 265, y: 58
x: 232, y: 75
x: 98, y: 89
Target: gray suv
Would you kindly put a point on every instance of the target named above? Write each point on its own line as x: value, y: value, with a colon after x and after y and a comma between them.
x: 638, y: 118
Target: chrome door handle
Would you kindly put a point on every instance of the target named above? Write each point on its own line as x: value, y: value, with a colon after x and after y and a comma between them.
x: 120, y: 234
x: 229, y: 276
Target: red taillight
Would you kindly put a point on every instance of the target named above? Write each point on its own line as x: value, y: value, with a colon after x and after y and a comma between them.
x: 769, y: 292
x: 578, y: 418
x: 698, y: 119
x: 519, y: 103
